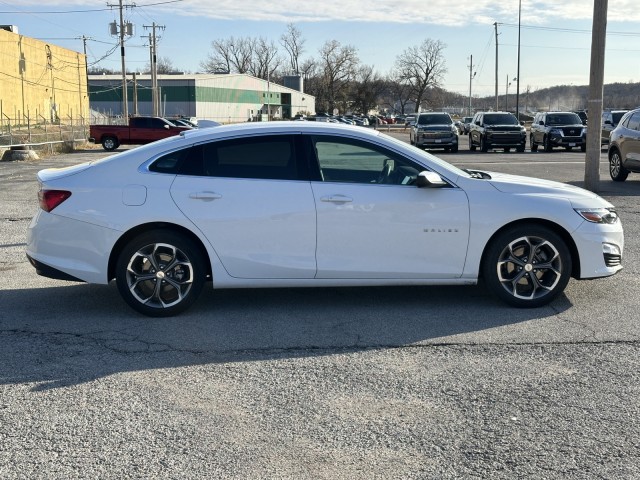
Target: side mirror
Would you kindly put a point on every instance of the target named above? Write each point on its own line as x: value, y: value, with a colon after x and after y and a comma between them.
x: 541, y: 122
x: 166, y: 126
x: 608, y: 122
x: 428, y: 179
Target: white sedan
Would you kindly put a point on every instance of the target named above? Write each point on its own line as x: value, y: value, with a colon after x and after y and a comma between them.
x: 301, y: 204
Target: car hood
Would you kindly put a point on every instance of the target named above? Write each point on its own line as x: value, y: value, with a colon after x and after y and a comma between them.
x: 515, y: 184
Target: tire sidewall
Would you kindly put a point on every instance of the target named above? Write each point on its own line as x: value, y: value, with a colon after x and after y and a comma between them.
x: 503, y: 239
x: 184, y: 244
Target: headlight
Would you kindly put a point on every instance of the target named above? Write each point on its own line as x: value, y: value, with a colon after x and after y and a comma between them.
x: 598, y: 215
x: 555, y: 131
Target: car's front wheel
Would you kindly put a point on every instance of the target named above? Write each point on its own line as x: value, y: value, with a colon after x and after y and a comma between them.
x: 527, y: 266
x: 483, y: 144
x: 616, y: 169
x: 472, y: 146
x: 160, y: 273
x: 548, y: 146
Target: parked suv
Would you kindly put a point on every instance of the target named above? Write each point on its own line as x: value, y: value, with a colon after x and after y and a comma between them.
x: 610, y: 120
x: 557, y: 129
x: 434, y: 130
x: 624, y: 147
x: 496, y: 130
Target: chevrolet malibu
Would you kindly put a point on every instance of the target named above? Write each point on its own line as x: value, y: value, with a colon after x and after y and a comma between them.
x: 311, y: 204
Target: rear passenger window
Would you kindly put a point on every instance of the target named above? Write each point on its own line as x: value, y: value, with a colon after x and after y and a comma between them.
x: 267, y: 157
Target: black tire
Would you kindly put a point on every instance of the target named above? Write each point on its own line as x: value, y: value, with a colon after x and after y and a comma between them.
x: 472, y: 146
x: 568, y: 149
x: 616, y: 168
x: 534, y: 145
x: 527, y: 266
x: 483, y: 145
x: 165, y: 256
x: 109, y: 143
x: 583, y: 148
x: 454, y: 149
x: 520, y: 149
x: 507, y: 149
x: 548, y: 147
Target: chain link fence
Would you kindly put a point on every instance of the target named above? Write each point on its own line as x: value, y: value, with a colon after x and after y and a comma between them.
x: 39, y: 133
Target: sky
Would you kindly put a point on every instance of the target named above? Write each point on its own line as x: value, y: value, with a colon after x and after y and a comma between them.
x: 555, y: 35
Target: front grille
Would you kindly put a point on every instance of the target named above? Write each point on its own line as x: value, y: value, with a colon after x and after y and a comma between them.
x: 612, y: 260
x: 436, y: 135
x: 572, y: 131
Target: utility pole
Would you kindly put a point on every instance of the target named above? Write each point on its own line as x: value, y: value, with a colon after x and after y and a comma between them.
x: 155, y: 97
x: 121, y: 34
x: 518, y: 74
x: 86, y: 63
x: 596, y: 88
x: 495, y: 26
x: 471, y: 77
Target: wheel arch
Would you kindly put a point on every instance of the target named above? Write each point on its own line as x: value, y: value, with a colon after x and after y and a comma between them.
x: 139, y: 229
x: 556, y: 228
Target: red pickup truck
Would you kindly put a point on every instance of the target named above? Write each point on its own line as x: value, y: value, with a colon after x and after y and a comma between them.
x: 140, y: 130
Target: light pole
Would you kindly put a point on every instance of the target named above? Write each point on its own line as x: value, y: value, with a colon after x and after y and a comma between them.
x: 472, y: 75
x: 506, y: 94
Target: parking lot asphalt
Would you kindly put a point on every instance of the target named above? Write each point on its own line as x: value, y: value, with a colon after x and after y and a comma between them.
x: 402, y: 382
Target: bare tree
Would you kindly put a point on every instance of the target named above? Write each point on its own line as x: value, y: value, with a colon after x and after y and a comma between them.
x: 422, y: 67
x: 164, y: 65
x: 338, y: 68
x: 265, y: 59
x: 368, y: 88
x: 229, y: 55
x: 293, y: 43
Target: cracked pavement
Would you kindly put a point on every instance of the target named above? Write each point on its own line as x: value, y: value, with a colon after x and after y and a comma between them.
x: 403, y: 382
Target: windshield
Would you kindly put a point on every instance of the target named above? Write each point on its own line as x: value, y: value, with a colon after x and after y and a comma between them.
x: 563, y: 119
x: 500, y: 119
x: 436, y: 119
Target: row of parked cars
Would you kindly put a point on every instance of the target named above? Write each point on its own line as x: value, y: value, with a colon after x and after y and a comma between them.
x: 549, y: 130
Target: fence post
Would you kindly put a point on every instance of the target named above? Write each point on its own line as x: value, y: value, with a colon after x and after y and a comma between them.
x: 8, y: 127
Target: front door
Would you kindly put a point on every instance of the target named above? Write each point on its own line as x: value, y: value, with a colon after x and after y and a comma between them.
x: 373, y: 222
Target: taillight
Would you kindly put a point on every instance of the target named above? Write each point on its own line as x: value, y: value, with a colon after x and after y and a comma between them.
x: 50, y: 199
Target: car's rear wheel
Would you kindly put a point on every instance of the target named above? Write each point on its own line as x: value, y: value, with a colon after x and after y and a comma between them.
x: 160, y: 273
x: 109, y: 143
x: 616, y: 169
x: 527, y: 266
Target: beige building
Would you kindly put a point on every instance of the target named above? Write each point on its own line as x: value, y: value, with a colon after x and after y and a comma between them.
x: 40, y: 81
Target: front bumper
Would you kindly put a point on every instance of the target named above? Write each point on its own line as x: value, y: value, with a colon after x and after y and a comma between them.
x: 506, y: 139
x: 436, y: 140
x: 562, y: 141
x: 600, y: 248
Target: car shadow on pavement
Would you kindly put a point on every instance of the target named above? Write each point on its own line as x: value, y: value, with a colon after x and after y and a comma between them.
x: 66, y: 335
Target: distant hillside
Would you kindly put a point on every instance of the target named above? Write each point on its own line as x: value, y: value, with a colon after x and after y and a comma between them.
x: 566, y: 97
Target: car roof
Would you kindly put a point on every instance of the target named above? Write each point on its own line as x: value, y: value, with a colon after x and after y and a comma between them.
x: 263, y: 128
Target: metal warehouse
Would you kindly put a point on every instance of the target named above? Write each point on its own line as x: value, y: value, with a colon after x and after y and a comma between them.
x: 225, y: 98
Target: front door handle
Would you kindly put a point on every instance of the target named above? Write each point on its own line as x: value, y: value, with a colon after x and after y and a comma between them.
x: 337, y: 199
x: 205, y: 196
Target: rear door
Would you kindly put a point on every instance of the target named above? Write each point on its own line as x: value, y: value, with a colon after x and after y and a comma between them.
x: 252, y: 199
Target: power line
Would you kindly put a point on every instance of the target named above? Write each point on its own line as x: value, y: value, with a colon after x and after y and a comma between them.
x: 64, y: 12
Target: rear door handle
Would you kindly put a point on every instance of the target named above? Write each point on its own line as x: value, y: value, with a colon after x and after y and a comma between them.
x: 205, y: 196
x: 337, y: 199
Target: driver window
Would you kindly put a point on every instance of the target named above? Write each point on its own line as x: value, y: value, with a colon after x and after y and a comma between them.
x: 350, y: 161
